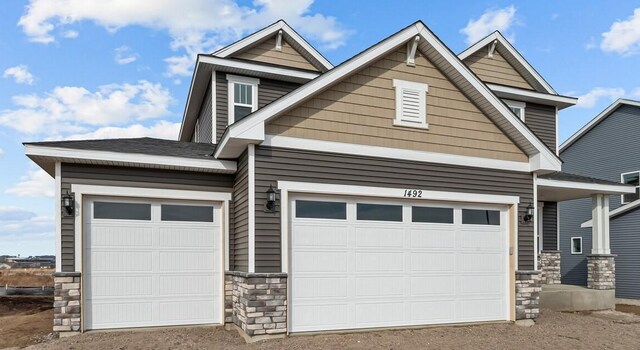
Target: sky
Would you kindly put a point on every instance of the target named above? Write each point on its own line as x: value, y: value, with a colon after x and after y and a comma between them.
x: 74, y: 69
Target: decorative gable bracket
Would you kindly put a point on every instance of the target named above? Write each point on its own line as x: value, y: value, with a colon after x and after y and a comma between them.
x: 279, y: 40
x: 492, y: 48
x: 412, y: 47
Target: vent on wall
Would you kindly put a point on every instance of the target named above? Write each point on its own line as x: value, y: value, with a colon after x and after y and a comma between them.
x: 411, y: 104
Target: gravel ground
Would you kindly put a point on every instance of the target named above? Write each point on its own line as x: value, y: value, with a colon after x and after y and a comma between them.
x: 554, y: 330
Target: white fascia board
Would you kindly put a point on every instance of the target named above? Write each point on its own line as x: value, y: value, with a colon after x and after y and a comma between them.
x: 272, y: 30
x: 591, y: 124
x: 542, y: 162
x: 594, y: 187
x: 620, y: 210
x: 532, y: 96
x: 258, y: 68
x: 187, y: 104
x: 214, y: 165
x: 367, y: 191
x: 507, y: 45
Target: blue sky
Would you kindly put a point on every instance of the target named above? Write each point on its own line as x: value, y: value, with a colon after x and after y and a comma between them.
x: 91, y: 69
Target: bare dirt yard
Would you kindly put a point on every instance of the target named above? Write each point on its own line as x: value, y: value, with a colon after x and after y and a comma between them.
x: 25, y: 320
x: 554, y: 330
x: 26, y: 278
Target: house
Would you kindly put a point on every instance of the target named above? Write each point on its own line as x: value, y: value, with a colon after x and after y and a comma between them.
x: 592, y: 151
x: 398, y: 188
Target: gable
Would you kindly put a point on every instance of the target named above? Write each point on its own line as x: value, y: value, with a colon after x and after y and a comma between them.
x: 360, y: 109
x: 495, y: 69
x: 266, y: 52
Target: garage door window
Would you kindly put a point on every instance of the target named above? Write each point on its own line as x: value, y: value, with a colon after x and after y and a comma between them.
x: 480, y: 217
x: 321, y: 210
x: 379, y: 212
x: 187, y: 213
x: 121, y: 211
x: 432, y: 215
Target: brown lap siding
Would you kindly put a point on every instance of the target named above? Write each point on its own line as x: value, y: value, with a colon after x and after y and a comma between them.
x: 273, y: 164
x: 130, y: 177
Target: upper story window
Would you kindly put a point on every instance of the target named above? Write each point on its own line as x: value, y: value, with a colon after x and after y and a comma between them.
x: 517, y: 108
x: 411, y: 104
x: 243, y: 97
x: 632, y: 178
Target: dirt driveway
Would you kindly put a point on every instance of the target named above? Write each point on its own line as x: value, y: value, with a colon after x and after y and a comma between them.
x: 25, y: 320
x: 554, y: 330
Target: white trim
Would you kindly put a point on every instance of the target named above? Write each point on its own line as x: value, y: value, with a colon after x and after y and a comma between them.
x: 252, y: 207
x: 70, y: 154
x: 258, y: 68
x: 557, y: 226
x: 518, y: 105
x: 535, y: 222
x: 214, y: 114
x: 622, y: 202
x: 507, y: 45
x: 393, y: 153
x: 533, y: 96
x: 58, y: 178
x: 400, y: 86
x: 237, y: 79
x: 581, y: 250
x: 268, y: 31
x: 596, y: 120
x: 557, y: 137
x: 610, y: 189
x: 618, y: 211
x: 279, y: 40
x: 226, y: 220
x: 540, y: 220
x: 412, y: 47
x: 252, y: 128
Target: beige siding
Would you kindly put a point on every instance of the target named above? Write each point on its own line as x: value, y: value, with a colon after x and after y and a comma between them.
x: 496, y: 70
x: 266, y: 52
x: 361, y: 109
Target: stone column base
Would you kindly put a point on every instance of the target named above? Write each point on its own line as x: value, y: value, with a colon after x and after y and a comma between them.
x: 258, y: 302
x: 601, y: 271
x: 66, y: 304
x: 527, y: 295
x: 549, y: 265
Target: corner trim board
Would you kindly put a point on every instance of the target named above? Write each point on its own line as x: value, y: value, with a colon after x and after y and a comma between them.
x: 252, y: 207
x: 58, y: 177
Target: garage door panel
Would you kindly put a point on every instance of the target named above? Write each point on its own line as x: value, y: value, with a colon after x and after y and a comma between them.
x: 442, y: 311
x: 481, y: 240
x: 120, y: 286
x: 190, y: 311
x: 483, y: 309
x: 185, y: 285
x: 120, y: 314
x: 438, y: 238
x: 321, y: 262
x: 482, y: 262
x: 378, y: 261
x: 433, y: 286
x: 475, y: 285
x: 379, y: 314
x: 432, y: 262
x: 329, y: 316
x: 320, y: 287
x: 379, y: 237
x: 186, y: 237
x: 379, y: 286
x: 319, y: 235
x: 185, y: 261
x: 129, y: 261
x: 103, y: 235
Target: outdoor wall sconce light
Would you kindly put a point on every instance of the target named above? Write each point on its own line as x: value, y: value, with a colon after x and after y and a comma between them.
x: 67, y: 203
x: 529, y: 215
x: 271, y: 199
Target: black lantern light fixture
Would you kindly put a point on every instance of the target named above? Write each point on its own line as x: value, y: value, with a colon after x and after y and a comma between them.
x: 271, y: 199
x: 529, y: 215
x: 66, y: 201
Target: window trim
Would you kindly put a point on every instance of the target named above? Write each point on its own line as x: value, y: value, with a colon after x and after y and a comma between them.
x: 622, y: 202
x: 234, y: 79
x: 517, y: 104
x: 423, y: 90
x: 581, y: 250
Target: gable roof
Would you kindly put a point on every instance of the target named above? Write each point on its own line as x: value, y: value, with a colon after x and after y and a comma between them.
x: 251, y: 129
x: 291, y: 36
x: 595, y: 121
x: 504, y: 47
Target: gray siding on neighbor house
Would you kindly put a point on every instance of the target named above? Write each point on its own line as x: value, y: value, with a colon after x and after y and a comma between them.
x: 274, y: 164
x: 240, y: 252
x: 604, y: 152
x: 550, y: 226
x: 203, y: 132
x: 542, y: 120
x: 268, y: 91
x: 625, y: 242
x: 129, y: 177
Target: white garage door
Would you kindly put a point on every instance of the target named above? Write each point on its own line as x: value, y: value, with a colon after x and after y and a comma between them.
x: 151, y: 263
x: 370, y: 263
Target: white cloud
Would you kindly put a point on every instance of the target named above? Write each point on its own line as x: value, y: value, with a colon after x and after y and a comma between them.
x: 623, y: 37
x: 20, y: 74
x: 161, y: 130
x: 37, y: 183
x: 591, y: 98
x: 20, y: 228
x: 1, y: 152
x: 15, y: 214
x: 195, y: 26
x: 70, y: 34
x: 72, y: 109
x: 124, y: 55
x: 490, y: 21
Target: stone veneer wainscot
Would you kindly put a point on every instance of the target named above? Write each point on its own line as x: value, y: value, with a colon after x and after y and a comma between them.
x: 66, y: 304
x: 601, y: 271
x: 549, y: 264
x: 527, y: 295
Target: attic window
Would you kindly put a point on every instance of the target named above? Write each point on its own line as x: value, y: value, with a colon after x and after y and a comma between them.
x: 243, y: 97
x: 517, y: 108
x: 411, y: 104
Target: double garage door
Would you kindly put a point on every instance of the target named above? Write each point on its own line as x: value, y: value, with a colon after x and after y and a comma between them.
x: 151, y: 263
x: 375, y: 263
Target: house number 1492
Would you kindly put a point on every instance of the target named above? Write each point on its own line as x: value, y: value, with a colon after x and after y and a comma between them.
x: 413, y: 193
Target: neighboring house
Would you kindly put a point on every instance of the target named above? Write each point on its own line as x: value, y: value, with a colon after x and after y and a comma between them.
x: 603, y: 149
x: 398, y: 188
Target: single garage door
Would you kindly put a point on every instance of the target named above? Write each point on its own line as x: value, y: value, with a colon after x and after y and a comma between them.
x: 361, y: 263
x: 151, y: 263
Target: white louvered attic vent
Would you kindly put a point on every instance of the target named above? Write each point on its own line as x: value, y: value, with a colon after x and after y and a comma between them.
x: 411, y: 104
